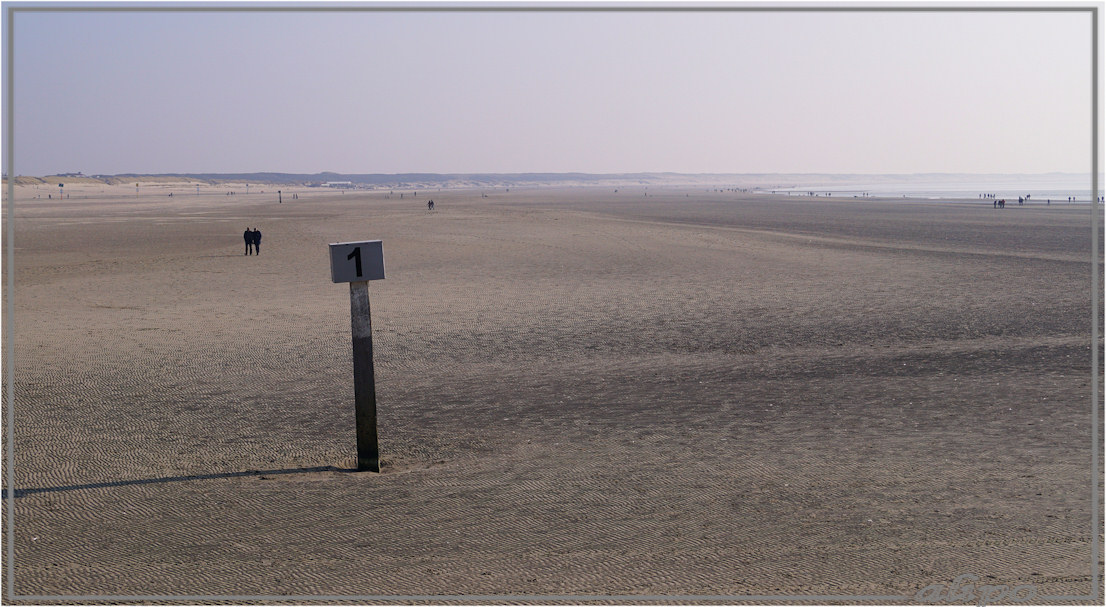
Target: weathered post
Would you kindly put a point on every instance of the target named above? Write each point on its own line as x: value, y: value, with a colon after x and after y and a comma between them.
x: 364, y: 377
x: 357, y: 263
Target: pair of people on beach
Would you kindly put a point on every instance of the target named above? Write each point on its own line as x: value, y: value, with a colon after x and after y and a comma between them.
x: 253, y: 241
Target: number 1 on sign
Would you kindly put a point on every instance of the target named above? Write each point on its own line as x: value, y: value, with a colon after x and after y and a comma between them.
x: 367, y: 259
x: 356, y: 257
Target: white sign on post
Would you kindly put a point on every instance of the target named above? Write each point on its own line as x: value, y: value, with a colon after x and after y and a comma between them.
x: 356, y: 261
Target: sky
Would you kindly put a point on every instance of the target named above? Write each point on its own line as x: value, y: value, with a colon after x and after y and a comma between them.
x: 722, y: 91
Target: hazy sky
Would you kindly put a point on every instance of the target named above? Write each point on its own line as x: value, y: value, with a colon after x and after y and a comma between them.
x: 600, y: 92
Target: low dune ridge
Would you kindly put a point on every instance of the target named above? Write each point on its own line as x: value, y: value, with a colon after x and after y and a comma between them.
x: 684, y: 393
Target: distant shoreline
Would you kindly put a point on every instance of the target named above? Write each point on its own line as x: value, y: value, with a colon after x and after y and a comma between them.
x: 1041, y: 187
x: 762, y: 181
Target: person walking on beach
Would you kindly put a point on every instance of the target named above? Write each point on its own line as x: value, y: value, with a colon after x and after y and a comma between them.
x: 248, y: 237
x: 256, y: 242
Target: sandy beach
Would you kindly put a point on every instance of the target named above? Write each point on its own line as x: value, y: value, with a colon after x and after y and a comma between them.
x: 662, y: 392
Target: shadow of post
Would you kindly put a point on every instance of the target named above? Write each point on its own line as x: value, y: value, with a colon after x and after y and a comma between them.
x: 17, y: 493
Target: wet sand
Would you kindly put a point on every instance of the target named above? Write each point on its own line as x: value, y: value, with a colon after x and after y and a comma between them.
x: 581, y: 393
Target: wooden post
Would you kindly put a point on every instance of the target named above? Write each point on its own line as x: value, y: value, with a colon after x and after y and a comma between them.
x: 357, y: 263
x: 364, y: 380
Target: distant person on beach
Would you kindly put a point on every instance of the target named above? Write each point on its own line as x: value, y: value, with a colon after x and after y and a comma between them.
x: 256, y: 242
x: 248, y: 237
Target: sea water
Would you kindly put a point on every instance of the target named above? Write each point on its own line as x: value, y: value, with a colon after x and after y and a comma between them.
x: 1057, y: 187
